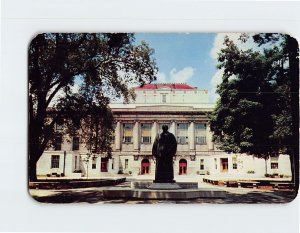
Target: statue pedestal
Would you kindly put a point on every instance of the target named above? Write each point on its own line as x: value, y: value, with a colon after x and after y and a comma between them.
x: 164, y: 186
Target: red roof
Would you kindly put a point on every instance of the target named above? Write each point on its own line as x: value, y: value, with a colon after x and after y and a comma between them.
x: 180, y: 86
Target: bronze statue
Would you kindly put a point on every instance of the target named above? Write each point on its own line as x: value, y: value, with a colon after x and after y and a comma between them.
x: 164, y: 148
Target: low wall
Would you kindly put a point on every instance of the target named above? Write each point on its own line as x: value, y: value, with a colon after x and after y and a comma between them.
x: 70, y: 184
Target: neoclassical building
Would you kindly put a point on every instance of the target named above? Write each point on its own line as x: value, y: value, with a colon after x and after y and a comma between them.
x: 184, y: 109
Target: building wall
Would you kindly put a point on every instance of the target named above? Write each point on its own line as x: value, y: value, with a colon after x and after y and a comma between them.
x: 172, y: 96
x: 127, y: 156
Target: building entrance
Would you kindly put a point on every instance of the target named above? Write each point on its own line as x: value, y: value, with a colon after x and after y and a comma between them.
x: 224, y: 165
x: 182, y: 167
x: 145, y: 166
x: 104, y: 162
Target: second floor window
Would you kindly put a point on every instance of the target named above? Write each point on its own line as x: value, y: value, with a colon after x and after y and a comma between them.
x: 146, y: 132
x: 182, y: 133
x: 200, y: 133
x: 75, y: 143
x: 57, y: 143
x: 182, y: 140
x: 201, y: 140
x: 127, y: 132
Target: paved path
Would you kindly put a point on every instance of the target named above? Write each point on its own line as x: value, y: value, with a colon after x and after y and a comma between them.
x: 94, y: 195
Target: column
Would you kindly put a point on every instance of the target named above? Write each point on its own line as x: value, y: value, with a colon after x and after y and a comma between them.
x: 136, y: 136
x: 191, y: 135
x: 173, y: 128
x: 154, y: 131
x: 118, y: 136
x: 209, y: 141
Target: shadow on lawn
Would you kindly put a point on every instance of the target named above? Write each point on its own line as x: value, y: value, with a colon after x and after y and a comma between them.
x: 96, y: 196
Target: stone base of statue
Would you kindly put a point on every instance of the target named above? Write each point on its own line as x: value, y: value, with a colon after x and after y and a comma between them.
x: 147, y: 190
x: 164, y: 186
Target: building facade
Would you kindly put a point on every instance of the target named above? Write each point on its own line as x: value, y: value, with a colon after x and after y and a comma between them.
x: 184, y: 109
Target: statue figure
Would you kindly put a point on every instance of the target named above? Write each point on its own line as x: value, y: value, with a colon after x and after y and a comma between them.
x: 164, y: 148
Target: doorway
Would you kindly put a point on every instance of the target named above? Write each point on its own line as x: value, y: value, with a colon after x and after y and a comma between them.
x: 104, y: 162
x: 145, y: 165
x: 182, y: 167
x: 224, y: 165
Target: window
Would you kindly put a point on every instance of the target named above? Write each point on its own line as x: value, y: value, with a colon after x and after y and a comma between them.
x: 234, y: 163
x: 200, y: 133
x: 274, y: 165
x: 55, y: 161
x: 57, y: 143
x: 201, y: 140
x: 274, y: 162
x: 112, y: 163
x: 146, y: 139
x: 128, y: 126
x: 182, y: 140
x: 94, y: 163
x: 200, y: 126
x: 164, y: 98
x: 146, y: 132
x: 182, y: 133
x: 146, y: 126
x: 216, y: 165
x: 201, y: 164
x: 75, y: 143
x: 182, y: 126
x: 127, y: 139
x: 127, y: 132
x: 126, y: 163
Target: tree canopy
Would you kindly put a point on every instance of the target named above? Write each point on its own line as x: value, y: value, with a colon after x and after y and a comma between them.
x: 72, y: 79
x: 255, y: 113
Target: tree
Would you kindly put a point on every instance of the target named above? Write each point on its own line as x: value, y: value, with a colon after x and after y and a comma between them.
x: 100, y: 66
x: 255, y: 112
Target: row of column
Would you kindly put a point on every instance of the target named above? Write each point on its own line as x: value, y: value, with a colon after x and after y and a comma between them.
x: 154, y: 131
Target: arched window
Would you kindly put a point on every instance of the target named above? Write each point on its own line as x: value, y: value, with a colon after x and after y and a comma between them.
x: 182, y: 166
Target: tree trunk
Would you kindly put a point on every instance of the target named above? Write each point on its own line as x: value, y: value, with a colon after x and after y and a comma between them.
x: 33, y: 157
x: 32, y: 171
x: 266, y: 166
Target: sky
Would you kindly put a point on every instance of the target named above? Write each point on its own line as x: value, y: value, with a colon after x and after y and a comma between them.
x: 183, y: 57
x: 192, y: 57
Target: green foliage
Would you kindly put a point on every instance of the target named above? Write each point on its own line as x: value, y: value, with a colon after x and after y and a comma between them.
x: 104, y: 64
x: 253, y: 114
